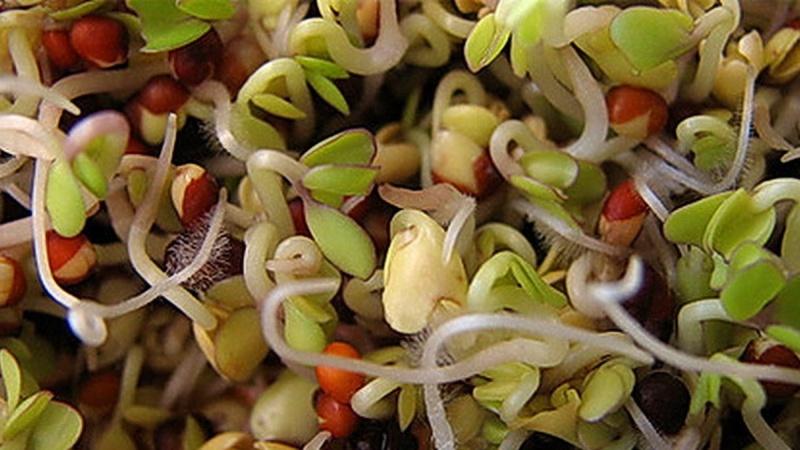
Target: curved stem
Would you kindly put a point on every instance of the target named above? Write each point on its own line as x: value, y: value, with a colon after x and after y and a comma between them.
x: 456, y: 81
x: 218, y: 94
x: 590, y: 96
x: 690, y: 322
x: 385, y: 53
x: 260, y: 242
x: 265, y: 169
x: 609, y: 296
x: 451, y: 23
x: 472, y: 365
x: 140, y: 228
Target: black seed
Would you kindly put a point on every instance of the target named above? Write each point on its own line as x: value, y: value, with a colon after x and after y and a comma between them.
x: 169, y: 435
x: 544, y: 441
x: 653, y: 305
x: 664, y: 399
x: 374, y: 435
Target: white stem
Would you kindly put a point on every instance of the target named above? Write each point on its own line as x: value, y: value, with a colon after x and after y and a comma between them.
x: 609, y: 296
x: 140, y: 228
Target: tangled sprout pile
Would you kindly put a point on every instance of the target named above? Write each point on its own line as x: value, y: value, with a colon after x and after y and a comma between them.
x: 399, y: 224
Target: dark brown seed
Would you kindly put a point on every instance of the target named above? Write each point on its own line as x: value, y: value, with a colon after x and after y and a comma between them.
x: 544, y: 441
x: 664, y: 399
x: 196, y: 62
x: 767, y: 352
x: 226, y: 255
x: 653, y: 305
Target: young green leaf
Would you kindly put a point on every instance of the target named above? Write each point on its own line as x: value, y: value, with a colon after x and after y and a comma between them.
x: 687, y: 224
x: 790, y: 251
x: 328, y: 91
x: 79, y: 10
x: 26, y: 414
x: 64, y: 200
x: 301, y: 332
x: 323, y: 67
x: 341, y: 239
x: 736, y: 221
x: 406, y: 406
x: 706, y: 391
x: 651, y: 36
x: 165, y: 27
x: 786, y: 335
x: 356, y: 146
x: 207, y: 9
x: 484, y: 43
x: 788, y: 303
x: 496, y: 269
x: 277, y: 106
x: 90, y: 174
x: 340, y: 179
x: 12, y: 378
x: 750, y: 289
x: 551, y: 167
x: 58, y: 428
x: 536, y: 189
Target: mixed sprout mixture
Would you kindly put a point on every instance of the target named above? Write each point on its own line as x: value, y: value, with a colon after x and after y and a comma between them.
x: 399, y: 224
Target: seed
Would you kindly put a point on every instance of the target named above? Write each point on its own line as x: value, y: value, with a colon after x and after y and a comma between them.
x: 226, y: 256
x: 147, y: 111
x: 373, y: 435
x: 653, y: 305
x: 100, y: 391
x: 299, y: 217
x: 368, y: 17
x: 457, y: 160
x: 544, y: 441
x: 339, y: 384
x: 59, y: 50
x: 194, y: 192
x: 136, y: 147
x: 636, y: 112
x: 12, y: 282
x: 196, y: 62
x: 338, y: 418
x: 664, y: 399
x: 768, y: 352
x: 242, y: 56
x: 71, y: 259
x: 180, y: 432
x: 623, y: 215
x: 99, y: 40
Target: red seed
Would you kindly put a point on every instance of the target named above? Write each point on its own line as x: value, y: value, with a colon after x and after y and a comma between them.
x: 636, y: 112
x: 623, y: 215
x: 196, y: 62
x: 71, y: 259
x: 59, y: 50
x: 194, y: 192
x: 100, y: 391
x: 487, y: 179
x: 339, y: 384
x: 297, y: 212
x: 12, y: 282
x: 162, y: 94
x: 338, y: 418
x: 136, y: 147
x: 100, y: 40
x: 242, y: 56
x: 764, y: 351
x: 624, y: 202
